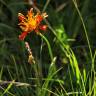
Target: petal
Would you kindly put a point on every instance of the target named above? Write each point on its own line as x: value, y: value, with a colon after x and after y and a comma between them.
x: 23, y: 35
x: 38, y: 18
x: 43, y: 27
x: 21, y: 17
x: 30, y: 13
x: 44, y: 15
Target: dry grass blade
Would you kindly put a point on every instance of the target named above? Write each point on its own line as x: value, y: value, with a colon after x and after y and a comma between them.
x: 15, y: 83
x: 61, y: 7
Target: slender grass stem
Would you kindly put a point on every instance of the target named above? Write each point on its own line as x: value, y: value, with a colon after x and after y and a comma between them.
x: 85, y: 30
x: 9, y: 86
x: 48, y: 44
x: 46, y: 5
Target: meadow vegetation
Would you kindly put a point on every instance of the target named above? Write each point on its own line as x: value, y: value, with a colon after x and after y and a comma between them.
x: 63, y: 59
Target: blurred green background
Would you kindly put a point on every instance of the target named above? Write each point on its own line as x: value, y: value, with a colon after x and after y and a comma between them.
x: 64, y: 19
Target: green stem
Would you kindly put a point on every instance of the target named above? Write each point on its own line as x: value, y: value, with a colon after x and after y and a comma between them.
x: 48, y: 44
x: 85, y: 30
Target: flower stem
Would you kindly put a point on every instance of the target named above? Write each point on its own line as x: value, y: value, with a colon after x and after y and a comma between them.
x: 48, y: 44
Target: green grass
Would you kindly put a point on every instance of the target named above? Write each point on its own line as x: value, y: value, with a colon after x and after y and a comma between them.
x: 64, y: 55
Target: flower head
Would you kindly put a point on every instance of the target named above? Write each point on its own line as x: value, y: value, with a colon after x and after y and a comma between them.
x: 30, y: 23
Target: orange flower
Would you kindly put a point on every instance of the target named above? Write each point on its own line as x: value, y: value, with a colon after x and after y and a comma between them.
x: 31, y: 23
